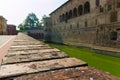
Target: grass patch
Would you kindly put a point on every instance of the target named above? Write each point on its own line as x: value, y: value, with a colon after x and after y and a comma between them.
x: 21, y: 30
x: 103, y: 62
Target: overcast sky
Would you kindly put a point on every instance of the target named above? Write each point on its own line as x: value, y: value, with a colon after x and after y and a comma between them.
x: 15, y: 11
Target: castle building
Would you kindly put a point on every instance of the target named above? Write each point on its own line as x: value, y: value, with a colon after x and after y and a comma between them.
x: 11, y: 29
x: 3, y: 25
x: 47, y: 29
x: 87, y: 22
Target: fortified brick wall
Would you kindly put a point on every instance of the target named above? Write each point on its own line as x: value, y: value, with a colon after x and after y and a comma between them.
x: 88, y: 22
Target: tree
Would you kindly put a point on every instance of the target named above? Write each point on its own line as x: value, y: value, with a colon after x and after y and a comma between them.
x: 44, y: 16
x: 30, y: 22
x: 21, y: 27
x: 42, y: 20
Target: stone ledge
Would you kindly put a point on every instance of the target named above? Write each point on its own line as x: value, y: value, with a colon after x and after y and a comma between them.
x: 41, y: 66
x: 22, y: 58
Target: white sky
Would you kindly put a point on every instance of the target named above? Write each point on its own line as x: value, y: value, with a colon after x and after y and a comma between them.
x: 15, y: 11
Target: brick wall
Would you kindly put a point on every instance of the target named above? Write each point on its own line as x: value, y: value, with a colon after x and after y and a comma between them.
x: 89, y: 25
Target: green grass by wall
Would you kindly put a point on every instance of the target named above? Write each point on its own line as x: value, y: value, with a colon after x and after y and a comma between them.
x: 103, y: 62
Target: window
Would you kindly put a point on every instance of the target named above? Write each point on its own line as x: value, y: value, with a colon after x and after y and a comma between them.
x: 63, y: 17
x: 70, y: 14
x: 86, y: 24
x: 113, y: 16
x: 66, y: 17
x: 97, y: 3
x: 86, y: 7
x: 80, y: 10
x: 118, y: 3
x: 75, y: 12
x: 101, y: 28
x: 77, y: 25
x: 96, y: 22
x: 101, y: 9
x: 46, y: 24
x: 70, y: 26
x: 60, y: 18
x: 113, y: 35
x: 109, y: 7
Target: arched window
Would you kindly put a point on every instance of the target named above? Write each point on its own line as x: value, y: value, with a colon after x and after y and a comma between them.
x: 97, y: 3
x: 118, y: 3
x: 60, y: 18
x: 66, y: 16
x: 63, y: 17
x: 86, y: 7
x: 70, y: 14
x: 80, y: 10
x: 75, y: 12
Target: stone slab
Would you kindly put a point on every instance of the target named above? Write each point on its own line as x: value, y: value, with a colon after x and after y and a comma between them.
x: 20, y: 58
x: 40, y: 66
x: 20, y: 46
x: 29, y: 48
x: 24, y: 52
x: 21, y: 41
x: 27, y: 43
x: 63, y: 74
x: 24, y: 46
x: 78, y: 73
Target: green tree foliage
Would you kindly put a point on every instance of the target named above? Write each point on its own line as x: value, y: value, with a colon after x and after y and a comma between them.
x: 42, y: 20
x: 30, y: 22
x: 21, y: 27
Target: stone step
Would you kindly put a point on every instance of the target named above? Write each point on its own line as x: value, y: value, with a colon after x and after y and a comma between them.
x: 21, y: 40
x: 27, y: 43
x: 26, y: 40
x: 18, y: 41
x: 40, y: 66
x: 29, y: 48
x: 76, y: 73
x: 25, y: 46
x: 25, y: 52
x: 20, y: 58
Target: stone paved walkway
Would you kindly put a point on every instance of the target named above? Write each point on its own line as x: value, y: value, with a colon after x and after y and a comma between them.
x: 30, y: 59
x: 27, y: 56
